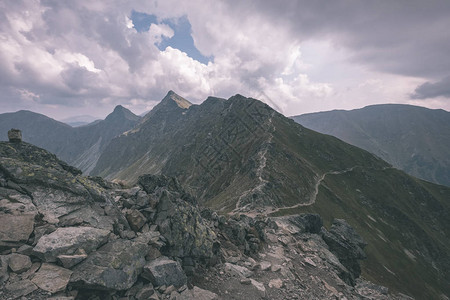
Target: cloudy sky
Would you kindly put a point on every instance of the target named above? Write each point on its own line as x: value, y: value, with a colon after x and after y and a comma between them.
x: 67, y: 58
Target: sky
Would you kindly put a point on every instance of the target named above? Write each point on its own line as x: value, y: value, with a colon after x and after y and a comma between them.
x: 70, y: 58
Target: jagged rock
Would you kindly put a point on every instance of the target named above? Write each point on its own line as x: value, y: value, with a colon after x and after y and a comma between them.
x: 197, y: 294
x: 347, y: 245
x: 19, y: 263
x: 311, y: 223
x: 180, y: 221
x: 136, y: 219
x: 21, y: 288
x: 52, y: 278
x: 240, y: 271
x: 115, y: 265
x: 164, y: 271
x: 67, y: 240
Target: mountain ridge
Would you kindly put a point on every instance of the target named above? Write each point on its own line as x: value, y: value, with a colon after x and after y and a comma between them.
x: 412, y: 138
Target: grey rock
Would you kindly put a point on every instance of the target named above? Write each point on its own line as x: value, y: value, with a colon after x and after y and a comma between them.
x: 19, y: 263
x: 307, y: 223
x: 15, y: 229
x: 347, y: 245
x: 145, y: 292
x: 164, y: 271
x: 115, y: 265
x: 52, y: 278
x: 136, y: 219
x: 21, y: 288
x: 4, y: 261
x: 14, y: 135
x: 68, y: 261
x: 25, y: 250
x: 238, y: 270
x: 67, y: 240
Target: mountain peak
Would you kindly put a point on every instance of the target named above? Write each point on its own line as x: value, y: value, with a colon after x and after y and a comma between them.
x: 172, y: 97
x: 122, y: 112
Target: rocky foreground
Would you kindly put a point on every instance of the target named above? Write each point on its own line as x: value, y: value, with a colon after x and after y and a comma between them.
x: 65, y: 236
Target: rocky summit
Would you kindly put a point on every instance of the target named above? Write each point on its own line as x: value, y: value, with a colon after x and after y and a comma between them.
x: 65, y: 236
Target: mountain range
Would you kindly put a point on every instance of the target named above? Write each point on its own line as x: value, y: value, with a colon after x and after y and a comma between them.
x: 411, y: 138
x: 241, y: 156
x: 79, y: 146
x: 238, y: 156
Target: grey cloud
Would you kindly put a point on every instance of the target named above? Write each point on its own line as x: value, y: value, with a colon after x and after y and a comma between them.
x: 432, y: 90
x: 407, y: 37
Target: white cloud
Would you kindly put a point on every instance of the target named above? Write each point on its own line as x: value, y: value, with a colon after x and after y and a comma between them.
x: 86, y: 54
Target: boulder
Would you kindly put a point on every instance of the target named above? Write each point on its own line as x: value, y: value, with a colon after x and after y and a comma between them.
x: 114, y: 266
x: 347, y: 245
x: 136, y: 219
x: 19, y: 263
x: 197, y: 294
x: 67, y: 240
x: 21, y: 288
x: 307, y: 223
x: 52, y: 278
x: 164, y: 271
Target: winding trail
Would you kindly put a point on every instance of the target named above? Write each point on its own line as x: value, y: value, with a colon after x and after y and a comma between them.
x: 262, y: 164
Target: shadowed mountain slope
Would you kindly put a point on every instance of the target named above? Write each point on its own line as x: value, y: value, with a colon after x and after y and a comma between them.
x: 411, y: 138
x: 80, y: 146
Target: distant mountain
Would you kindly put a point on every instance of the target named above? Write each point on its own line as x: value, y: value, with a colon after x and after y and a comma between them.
x: 411, y: 138
x: 79, y: 146
x: 241, y: 156
x: 77, y: 121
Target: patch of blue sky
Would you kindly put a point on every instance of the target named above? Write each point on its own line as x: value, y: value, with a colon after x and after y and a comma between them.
x: 181, y: 40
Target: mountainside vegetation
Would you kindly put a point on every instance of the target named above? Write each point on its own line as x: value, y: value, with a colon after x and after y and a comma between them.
x: 411, y: 138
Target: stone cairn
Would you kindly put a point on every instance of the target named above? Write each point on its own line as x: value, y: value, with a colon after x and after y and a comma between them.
x: 15, y: 136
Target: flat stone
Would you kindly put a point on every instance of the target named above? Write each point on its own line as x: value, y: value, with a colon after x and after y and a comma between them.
x: 19, y: 263
x: 25, y: 250
x: 67, y: 240
x: 241, y: 271
x: 21, y: 288
x: 15, y: 228
x: 164, y: 271
x: 115, y: 265
x: 52, y: 278
x: 197, y: 294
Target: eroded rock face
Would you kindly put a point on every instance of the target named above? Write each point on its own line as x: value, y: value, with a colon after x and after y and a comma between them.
x: 67, y: 240
x: 347, y: 245
x: 179, y: 220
